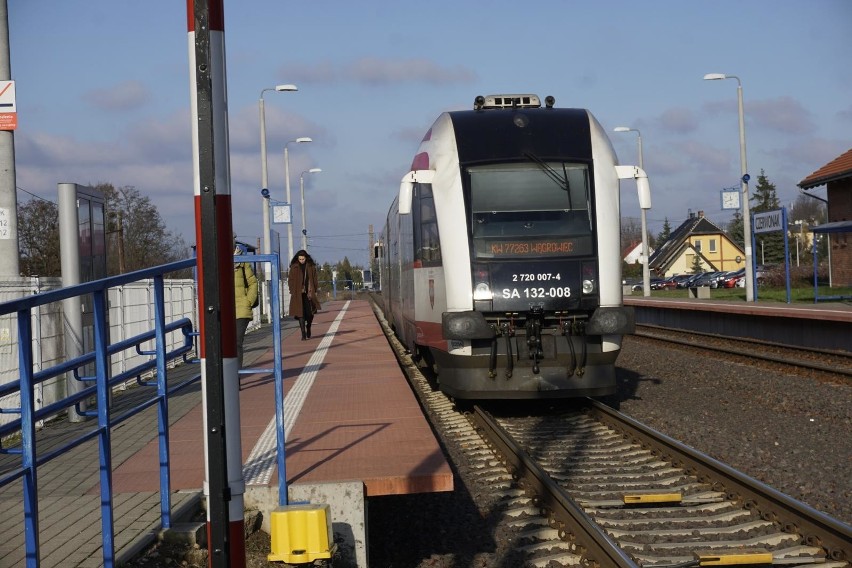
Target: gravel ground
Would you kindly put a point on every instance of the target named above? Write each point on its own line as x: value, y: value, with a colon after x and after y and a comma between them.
x: 793, y: 433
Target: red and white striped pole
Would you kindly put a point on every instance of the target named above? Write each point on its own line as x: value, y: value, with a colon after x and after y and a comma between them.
x: 224, y: 485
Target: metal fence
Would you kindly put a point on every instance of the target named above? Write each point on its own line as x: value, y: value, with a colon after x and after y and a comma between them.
x: 142, y: 325
x: 131, y: 312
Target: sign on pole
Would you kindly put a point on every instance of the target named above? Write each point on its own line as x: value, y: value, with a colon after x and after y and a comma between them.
x: 8, y: 110
x: 771, y: 221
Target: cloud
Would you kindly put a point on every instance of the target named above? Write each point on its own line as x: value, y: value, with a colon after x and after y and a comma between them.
x: 281, y: 127
x: 129, y: 95
x: 410, y: 135
x: 845, y: 115
x: 162, y: 140
x: 679, y: 120
x: 373, y: 71
x: 783, y: 115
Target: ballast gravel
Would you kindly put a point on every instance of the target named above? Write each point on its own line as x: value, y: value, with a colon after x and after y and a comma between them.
x: 791, y: 432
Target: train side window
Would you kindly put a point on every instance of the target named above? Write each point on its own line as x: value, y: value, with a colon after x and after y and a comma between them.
x: 427, y: 243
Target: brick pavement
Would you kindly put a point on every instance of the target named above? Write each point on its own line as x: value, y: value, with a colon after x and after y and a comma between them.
x: 68, y: 485
x: 335, y: 380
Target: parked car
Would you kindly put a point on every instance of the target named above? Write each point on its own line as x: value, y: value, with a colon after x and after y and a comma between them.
x: 655, y: 282
x: 680, y: 278
x: 709, y: 279
x: 665, y: 284
x: 731, y: 278
x: 689, y: 282
x: 718, y: 280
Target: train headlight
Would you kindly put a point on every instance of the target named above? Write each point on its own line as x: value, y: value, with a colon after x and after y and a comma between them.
x: 590, y: 280
x: 482, y: 292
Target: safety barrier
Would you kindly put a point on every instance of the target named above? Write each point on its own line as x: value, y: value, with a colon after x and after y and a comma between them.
x: 173, y: 341
x: 22, y: 430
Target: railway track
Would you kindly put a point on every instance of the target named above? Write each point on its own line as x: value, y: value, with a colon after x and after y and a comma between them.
x: 824, y: 361
x: 595, y: 488
x: 628, y: 496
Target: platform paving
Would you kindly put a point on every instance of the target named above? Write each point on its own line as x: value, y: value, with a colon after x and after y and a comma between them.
x: 352, y: 416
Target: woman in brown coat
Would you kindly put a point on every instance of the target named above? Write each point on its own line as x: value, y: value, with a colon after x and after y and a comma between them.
x: 303, y: 284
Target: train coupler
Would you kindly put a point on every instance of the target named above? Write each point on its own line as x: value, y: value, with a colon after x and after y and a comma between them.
x: 533, y: 328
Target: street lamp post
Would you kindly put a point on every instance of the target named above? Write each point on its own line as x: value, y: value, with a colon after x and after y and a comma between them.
x: 266, y: 246
x: 301, y: 140
x: 749, y: 272
x: 302, y: 189
x: 264, y: 181
x: 646, y: 268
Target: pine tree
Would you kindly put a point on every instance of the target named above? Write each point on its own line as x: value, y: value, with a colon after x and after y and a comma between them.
x: 697, y: 266
x: 665, y: 233
x: 735, y: 229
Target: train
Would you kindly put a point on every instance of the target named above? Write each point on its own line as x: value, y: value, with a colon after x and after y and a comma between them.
x: 500, y: 258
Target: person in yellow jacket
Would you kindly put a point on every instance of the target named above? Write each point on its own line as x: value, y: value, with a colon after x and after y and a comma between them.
x: 245, y: 292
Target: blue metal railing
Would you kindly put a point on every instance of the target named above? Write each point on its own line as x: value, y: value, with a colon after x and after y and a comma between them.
x: 29, y: 416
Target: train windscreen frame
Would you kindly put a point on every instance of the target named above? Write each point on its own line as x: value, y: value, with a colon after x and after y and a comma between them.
x: 526, y: 209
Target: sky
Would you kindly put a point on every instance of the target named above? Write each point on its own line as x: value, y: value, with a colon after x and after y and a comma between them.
x: 103, y: 95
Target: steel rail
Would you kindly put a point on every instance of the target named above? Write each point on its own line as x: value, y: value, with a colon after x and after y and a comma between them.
x: 600, y: 549
x: 817, y: 528
x: 752, y: 355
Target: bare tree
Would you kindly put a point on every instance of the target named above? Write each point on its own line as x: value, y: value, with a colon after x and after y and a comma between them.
x: 631, y: 232
x: 138, y: 237
x: 806, y: 208
x: 38, y: 238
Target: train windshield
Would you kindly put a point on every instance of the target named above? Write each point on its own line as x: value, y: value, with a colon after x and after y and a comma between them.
x: 530, y: 209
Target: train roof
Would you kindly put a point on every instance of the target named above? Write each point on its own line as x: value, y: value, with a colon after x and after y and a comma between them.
x: 513, y: 132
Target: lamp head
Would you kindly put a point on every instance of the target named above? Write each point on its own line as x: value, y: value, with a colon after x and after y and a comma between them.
x: 286, y: 88
x: 304, y: 139
x: 314, y: 170
x: 621, y: 129
x: 714, y: 76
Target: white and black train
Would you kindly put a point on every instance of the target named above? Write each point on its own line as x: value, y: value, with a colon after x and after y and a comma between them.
x: 501, y: 263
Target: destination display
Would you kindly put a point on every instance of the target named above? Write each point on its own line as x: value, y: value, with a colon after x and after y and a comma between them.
x: 518, y: 248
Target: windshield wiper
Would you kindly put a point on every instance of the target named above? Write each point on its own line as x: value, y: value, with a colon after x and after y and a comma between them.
x: 560, y: 179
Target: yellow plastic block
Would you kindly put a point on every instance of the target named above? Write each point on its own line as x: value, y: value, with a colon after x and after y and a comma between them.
x: 642, y: 498
x: 723, y: 558
x: 300, y: 533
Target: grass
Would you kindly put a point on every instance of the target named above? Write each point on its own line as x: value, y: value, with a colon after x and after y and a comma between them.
x: 800, y: 294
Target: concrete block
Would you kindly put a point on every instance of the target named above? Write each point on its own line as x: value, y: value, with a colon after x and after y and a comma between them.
x: 699, y: 292
x: 348, y: 514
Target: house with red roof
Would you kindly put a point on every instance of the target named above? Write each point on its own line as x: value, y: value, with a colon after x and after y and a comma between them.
x: 837, y: 176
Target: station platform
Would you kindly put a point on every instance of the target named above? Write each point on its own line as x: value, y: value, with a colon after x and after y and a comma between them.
x: 823, y: 325
x: 351, y: 420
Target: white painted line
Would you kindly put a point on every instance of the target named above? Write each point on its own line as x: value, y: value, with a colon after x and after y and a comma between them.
x: 262, y: 460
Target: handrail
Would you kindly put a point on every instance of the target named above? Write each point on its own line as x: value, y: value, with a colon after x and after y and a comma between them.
x: 183, y: 324
x: 107, y: 415
x: 29, y: 302
x: 100, y: 429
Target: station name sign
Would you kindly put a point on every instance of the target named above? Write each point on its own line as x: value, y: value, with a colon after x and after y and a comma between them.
x: 768, y: 222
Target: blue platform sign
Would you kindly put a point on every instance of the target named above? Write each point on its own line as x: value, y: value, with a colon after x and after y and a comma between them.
x: 768, y: 222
